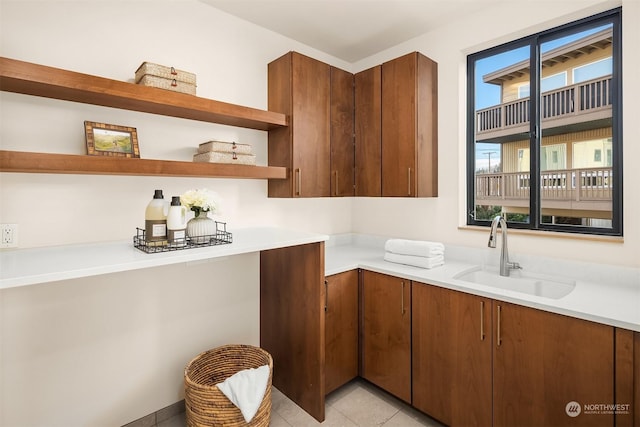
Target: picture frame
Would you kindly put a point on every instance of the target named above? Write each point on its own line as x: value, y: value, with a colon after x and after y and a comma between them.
x: 111, y: 140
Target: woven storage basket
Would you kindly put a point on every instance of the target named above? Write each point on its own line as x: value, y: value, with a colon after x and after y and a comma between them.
x: 205, y: 404
x: 170, y: 73
x: 168, y: 84
x: 230, y: 158
x: 224, y: 147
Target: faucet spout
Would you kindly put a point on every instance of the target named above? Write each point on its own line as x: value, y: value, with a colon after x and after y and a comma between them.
x: 505, y: 265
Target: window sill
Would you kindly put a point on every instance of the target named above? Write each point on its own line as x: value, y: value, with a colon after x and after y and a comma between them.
x: 553, y: 234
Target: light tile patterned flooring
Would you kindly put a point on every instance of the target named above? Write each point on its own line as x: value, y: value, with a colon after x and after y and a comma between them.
x: 355, y: 404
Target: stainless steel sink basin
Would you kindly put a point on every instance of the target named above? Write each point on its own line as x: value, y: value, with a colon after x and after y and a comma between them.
x: 519, y: 281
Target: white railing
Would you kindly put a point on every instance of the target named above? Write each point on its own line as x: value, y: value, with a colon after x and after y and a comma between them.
x: 567, y: 184
x: 569, y: 100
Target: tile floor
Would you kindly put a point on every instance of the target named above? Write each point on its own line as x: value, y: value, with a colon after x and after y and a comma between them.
x: 356, y: 404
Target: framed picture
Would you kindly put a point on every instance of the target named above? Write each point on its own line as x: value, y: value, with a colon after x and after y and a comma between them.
x: 111, y: 140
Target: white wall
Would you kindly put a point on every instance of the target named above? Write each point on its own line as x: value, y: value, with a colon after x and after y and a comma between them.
x: 109, y: 349
x: 440, y: 218
x: 230, y: 60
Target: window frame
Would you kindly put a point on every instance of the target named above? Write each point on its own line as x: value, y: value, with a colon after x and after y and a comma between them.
x: 534, y: 41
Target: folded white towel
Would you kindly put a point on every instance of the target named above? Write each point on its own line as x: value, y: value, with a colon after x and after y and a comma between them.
x: 415, y: 261
x: 414, y: 247
x: 246, y: 389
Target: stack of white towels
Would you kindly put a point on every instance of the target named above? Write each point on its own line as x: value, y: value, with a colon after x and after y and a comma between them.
x: 417, y: 253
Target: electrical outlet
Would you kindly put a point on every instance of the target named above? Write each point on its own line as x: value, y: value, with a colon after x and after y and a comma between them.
x: 8, y: 235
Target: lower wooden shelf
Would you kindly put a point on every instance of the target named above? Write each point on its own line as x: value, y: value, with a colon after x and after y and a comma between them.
x: 30, y: 162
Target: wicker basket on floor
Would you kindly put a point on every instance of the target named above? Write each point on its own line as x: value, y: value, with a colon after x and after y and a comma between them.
x: 205, y: 404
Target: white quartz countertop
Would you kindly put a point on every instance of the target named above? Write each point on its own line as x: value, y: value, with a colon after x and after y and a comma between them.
x: 603, y: 294
x: 21, y: 267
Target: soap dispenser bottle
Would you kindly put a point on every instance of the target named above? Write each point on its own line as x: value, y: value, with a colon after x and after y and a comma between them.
x: 155, y: 220
x: 177, y: 223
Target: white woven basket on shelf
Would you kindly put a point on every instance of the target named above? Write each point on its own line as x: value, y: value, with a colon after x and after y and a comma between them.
x: 224, y: 147
x: 171, y: 73
x: 230, y: 158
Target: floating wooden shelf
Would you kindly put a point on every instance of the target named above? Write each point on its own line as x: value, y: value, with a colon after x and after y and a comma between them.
x: 19, y: 161
x: 39, y: 80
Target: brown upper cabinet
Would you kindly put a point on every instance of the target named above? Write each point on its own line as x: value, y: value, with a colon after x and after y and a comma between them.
x: 372, y: 134
x: 409, y: 127
x: 368, y: 122
x: 342, y: 133
x: 299, y: 87
x: 317, y: 146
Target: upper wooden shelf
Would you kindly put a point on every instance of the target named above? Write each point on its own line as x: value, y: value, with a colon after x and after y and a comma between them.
x: 39, y: 80
x: 28, y: 162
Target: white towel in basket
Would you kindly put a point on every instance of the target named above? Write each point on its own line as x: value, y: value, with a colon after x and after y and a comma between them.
x: 246, y: 389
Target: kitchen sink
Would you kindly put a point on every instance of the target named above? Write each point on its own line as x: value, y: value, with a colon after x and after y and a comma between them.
x: 519, y: 281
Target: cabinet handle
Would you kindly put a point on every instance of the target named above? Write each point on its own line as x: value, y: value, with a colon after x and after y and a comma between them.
x: 298, y: 181
x: 326, y: 295
x: 498, y: 333
x: 402, y: 299
x: 337, y: 186
x: 409, y: 182
x: 481, y: 320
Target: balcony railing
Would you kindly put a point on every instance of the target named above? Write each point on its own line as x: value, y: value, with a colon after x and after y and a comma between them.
x: 575, y: 185
x: 575, y: 100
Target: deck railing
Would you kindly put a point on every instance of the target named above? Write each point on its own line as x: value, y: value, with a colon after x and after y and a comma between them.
x: 569, y: 100
x: 593, y: 184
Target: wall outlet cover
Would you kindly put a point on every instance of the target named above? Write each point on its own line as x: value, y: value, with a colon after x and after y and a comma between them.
x: 8, y: 235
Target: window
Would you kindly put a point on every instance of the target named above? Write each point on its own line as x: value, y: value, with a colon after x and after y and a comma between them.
x: 593, y: 70
x: 543, y: 150
x: 597, y: 156
x: 555, y: 81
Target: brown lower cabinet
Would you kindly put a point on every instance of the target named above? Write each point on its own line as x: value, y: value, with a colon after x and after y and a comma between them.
x: 545, y: 361
x: 452, y: 344
x: 292, y: 322
x: 465, y: 360
x: 341, y: 329
x: 474, y: 357
x: 386, y: 333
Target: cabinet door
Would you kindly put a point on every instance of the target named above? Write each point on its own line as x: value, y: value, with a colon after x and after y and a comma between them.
x: 427, y: 128
x: 399, y: 126
x: 299, y: 86
x: 410, y: 127
x: 627, y: 345
x: 545, y: 361
x: 342, y: 143
x: 311, y: 149
x: 341, y: 329
x: 292, y: 321
x: 386, y: 333
x: 451, y: 355
x: 368, y: 123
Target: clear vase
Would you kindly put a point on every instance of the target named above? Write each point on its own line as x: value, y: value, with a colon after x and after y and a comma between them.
x: 201, y: 229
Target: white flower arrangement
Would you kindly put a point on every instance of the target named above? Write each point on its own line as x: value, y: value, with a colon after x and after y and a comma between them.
x: 200, y: 200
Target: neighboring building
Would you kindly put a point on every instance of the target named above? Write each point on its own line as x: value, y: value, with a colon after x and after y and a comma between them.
x: 576, y: 151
